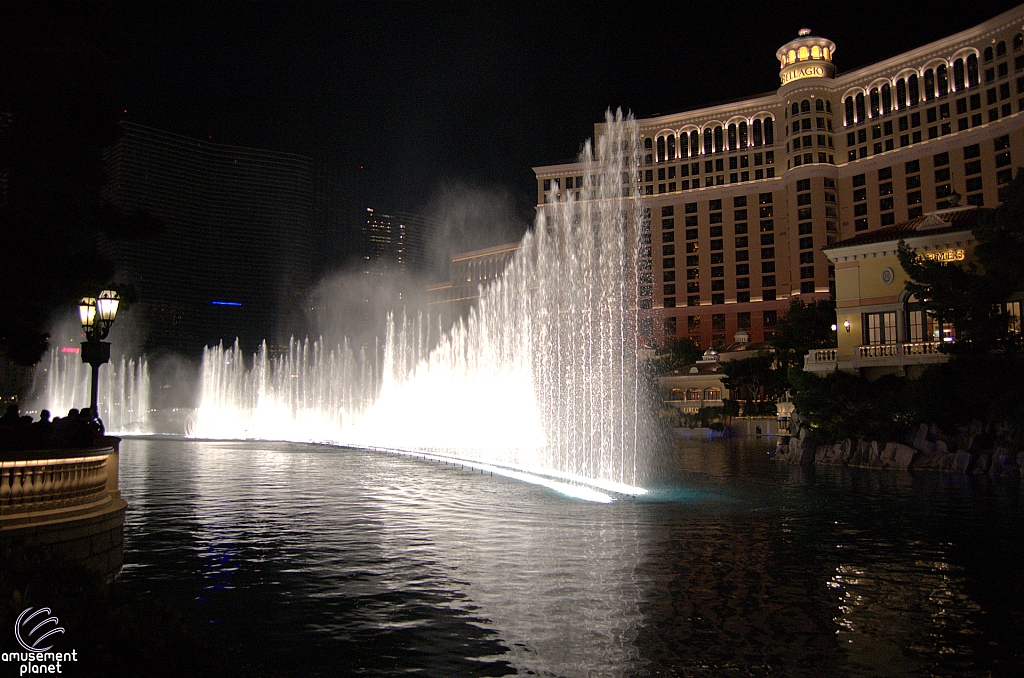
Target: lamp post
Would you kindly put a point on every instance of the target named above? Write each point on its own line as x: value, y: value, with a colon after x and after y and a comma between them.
x: 785, y: 411
x: 97, y: 315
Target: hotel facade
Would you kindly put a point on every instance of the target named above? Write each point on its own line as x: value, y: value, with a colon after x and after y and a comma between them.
x: 744, y: 197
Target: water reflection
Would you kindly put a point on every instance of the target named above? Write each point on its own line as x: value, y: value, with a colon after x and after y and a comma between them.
x: 383, y: 564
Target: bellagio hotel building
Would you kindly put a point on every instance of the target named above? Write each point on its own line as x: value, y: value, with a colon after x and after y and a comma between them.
x: 743, y: 196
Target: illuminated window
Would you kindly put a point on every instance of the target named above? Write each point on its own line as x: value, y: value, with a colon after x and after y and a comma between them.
x: 880, y: 328
x: 816, y: 52
x: 803, y: 53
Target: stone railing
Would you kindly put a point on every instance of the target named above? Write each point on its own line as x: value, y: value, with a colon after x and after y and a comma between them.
x: 55, y: 483
x: 921, y: 348
x: 823, y: 355
x: 878, y: 351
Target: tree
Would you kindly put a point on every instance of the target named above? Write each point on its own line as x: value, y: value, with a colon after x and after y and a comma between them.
x: 57, y: 114
x: 971, y: 297
x: 755, y: 379
x: 805, y: 327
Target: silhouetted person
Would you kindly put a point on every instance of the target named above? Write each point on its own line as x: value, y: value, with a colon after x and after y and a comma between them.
x: 42, y: 430
x: 93, y: 425
x: 9, y: 424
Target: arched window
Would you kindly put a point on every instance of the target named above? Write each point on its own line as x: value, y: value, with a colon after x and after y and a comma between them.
x: 912, y: 90
x: 803, y: 53
x: 1001, y: 49
x: 828, y: 106
x: 677, y: 394
x: 769, y: 131
x: 743, y: 134
x: 733, y: 141
x: 886, y: 99
x: 815, y: 52
x: 958, y: 75
x: 988, y: 54
x: 693, y: 394
x: 661, y: 149
x: 819, y: 104
x: 709, y: 138
x: 796, y: 108
x: 860, y: 107
x: 929, y: 85
x: 849, y: 112
x: 694, y: 143
x: 712, y: 394
x: 901, y: 94
x: 873, y: 99
x: 671, y: 150
x: 972, y: 70
x: 942, y: 80
x: 719, y: 140
x: 758, y: 139
x: 805, y: 106
x: 648, y: 143
x: 1018, y: 42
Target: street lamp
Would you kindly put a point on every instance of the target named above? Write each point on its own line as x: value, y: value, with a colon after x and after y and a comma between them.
x: 785, y: 411
x: 97, y: 315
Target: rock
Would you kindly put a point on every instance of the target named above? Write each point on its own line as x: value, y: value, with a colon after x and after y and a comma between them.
x: 981, y: 463
x: 874, y: 455
x: 921, y: 437
x: 1008, y: 461
x: 861, y: 453
x: 963, y: 462
x: 928, y: 447
x: 941, y: 447
x: 903, y: 458
x: 932, y: 461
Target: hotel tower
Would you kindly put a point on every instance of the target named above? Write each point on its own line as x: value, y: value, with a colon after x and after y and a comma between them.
x: 744, y: 196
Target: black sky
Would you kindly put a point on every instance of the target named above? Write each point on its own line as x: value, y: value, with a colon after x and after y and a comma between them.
x: 419, y: 94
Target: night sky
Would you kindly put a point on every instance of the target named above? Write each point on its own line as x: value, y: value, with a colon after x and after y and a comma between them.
x: 424, y: 94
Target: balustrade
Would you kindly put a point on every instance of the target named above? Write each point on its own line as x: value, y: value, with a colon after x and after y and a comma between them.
x: 42, y: 484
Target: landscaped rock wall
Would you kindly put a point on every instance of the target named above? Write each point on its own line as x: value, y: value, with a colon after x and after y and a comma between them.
x: 971, y: 450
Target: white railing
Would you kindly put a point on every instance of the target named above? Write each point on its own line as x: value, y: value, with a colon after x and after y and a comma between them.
x: 32, y: 485
x: 824, y: 355
x: 921, y: 348
x: 878, y: 351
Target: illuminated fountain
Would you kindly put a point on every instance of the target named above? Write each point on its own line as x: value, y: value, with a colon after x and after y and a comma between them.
x: 62, y: 382
x: 540, y: 377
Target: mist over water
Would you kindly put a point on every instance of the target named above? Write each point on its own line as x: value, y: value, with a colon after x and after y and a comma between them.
x: 540, y: 376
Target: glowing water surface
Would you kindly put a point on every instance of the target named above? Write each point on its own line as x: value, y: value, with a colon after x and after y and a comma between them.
x: 302, y: 560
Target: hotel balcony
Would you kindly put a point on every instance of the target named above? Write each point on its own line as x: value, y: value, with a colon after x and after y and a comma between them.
x: 877, y: 359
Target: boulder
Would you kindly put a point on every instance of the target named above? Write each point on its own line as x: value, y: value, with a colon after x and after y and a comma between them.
x: 903, y: 457
x: 963, y: 462
x: 981, y: 463
x: 941, y: 447
x: 921, y: 437
x: 932, y: 461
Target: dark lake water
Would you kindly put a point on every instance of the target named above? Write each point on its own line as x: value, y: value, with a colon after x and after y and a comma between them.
x: 316, y: 561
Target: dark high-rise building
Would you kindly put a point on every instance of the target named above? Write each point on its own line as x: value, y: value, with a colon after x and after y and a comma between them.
x: 235, y: 257
x: 395, y: 239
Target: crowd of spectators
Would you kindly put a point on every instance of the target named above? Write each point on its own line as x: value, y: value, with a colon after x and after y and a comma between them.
x: 77, y: 429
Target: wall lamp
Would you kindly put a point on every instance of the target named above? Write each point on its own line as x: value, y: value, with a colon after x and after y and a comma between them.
x: 846, y: 324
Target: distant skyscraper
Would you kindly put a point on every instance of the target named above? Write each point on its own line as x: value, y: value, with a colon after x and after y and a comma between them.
x: 235, y: 258
x: 395, y: 239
